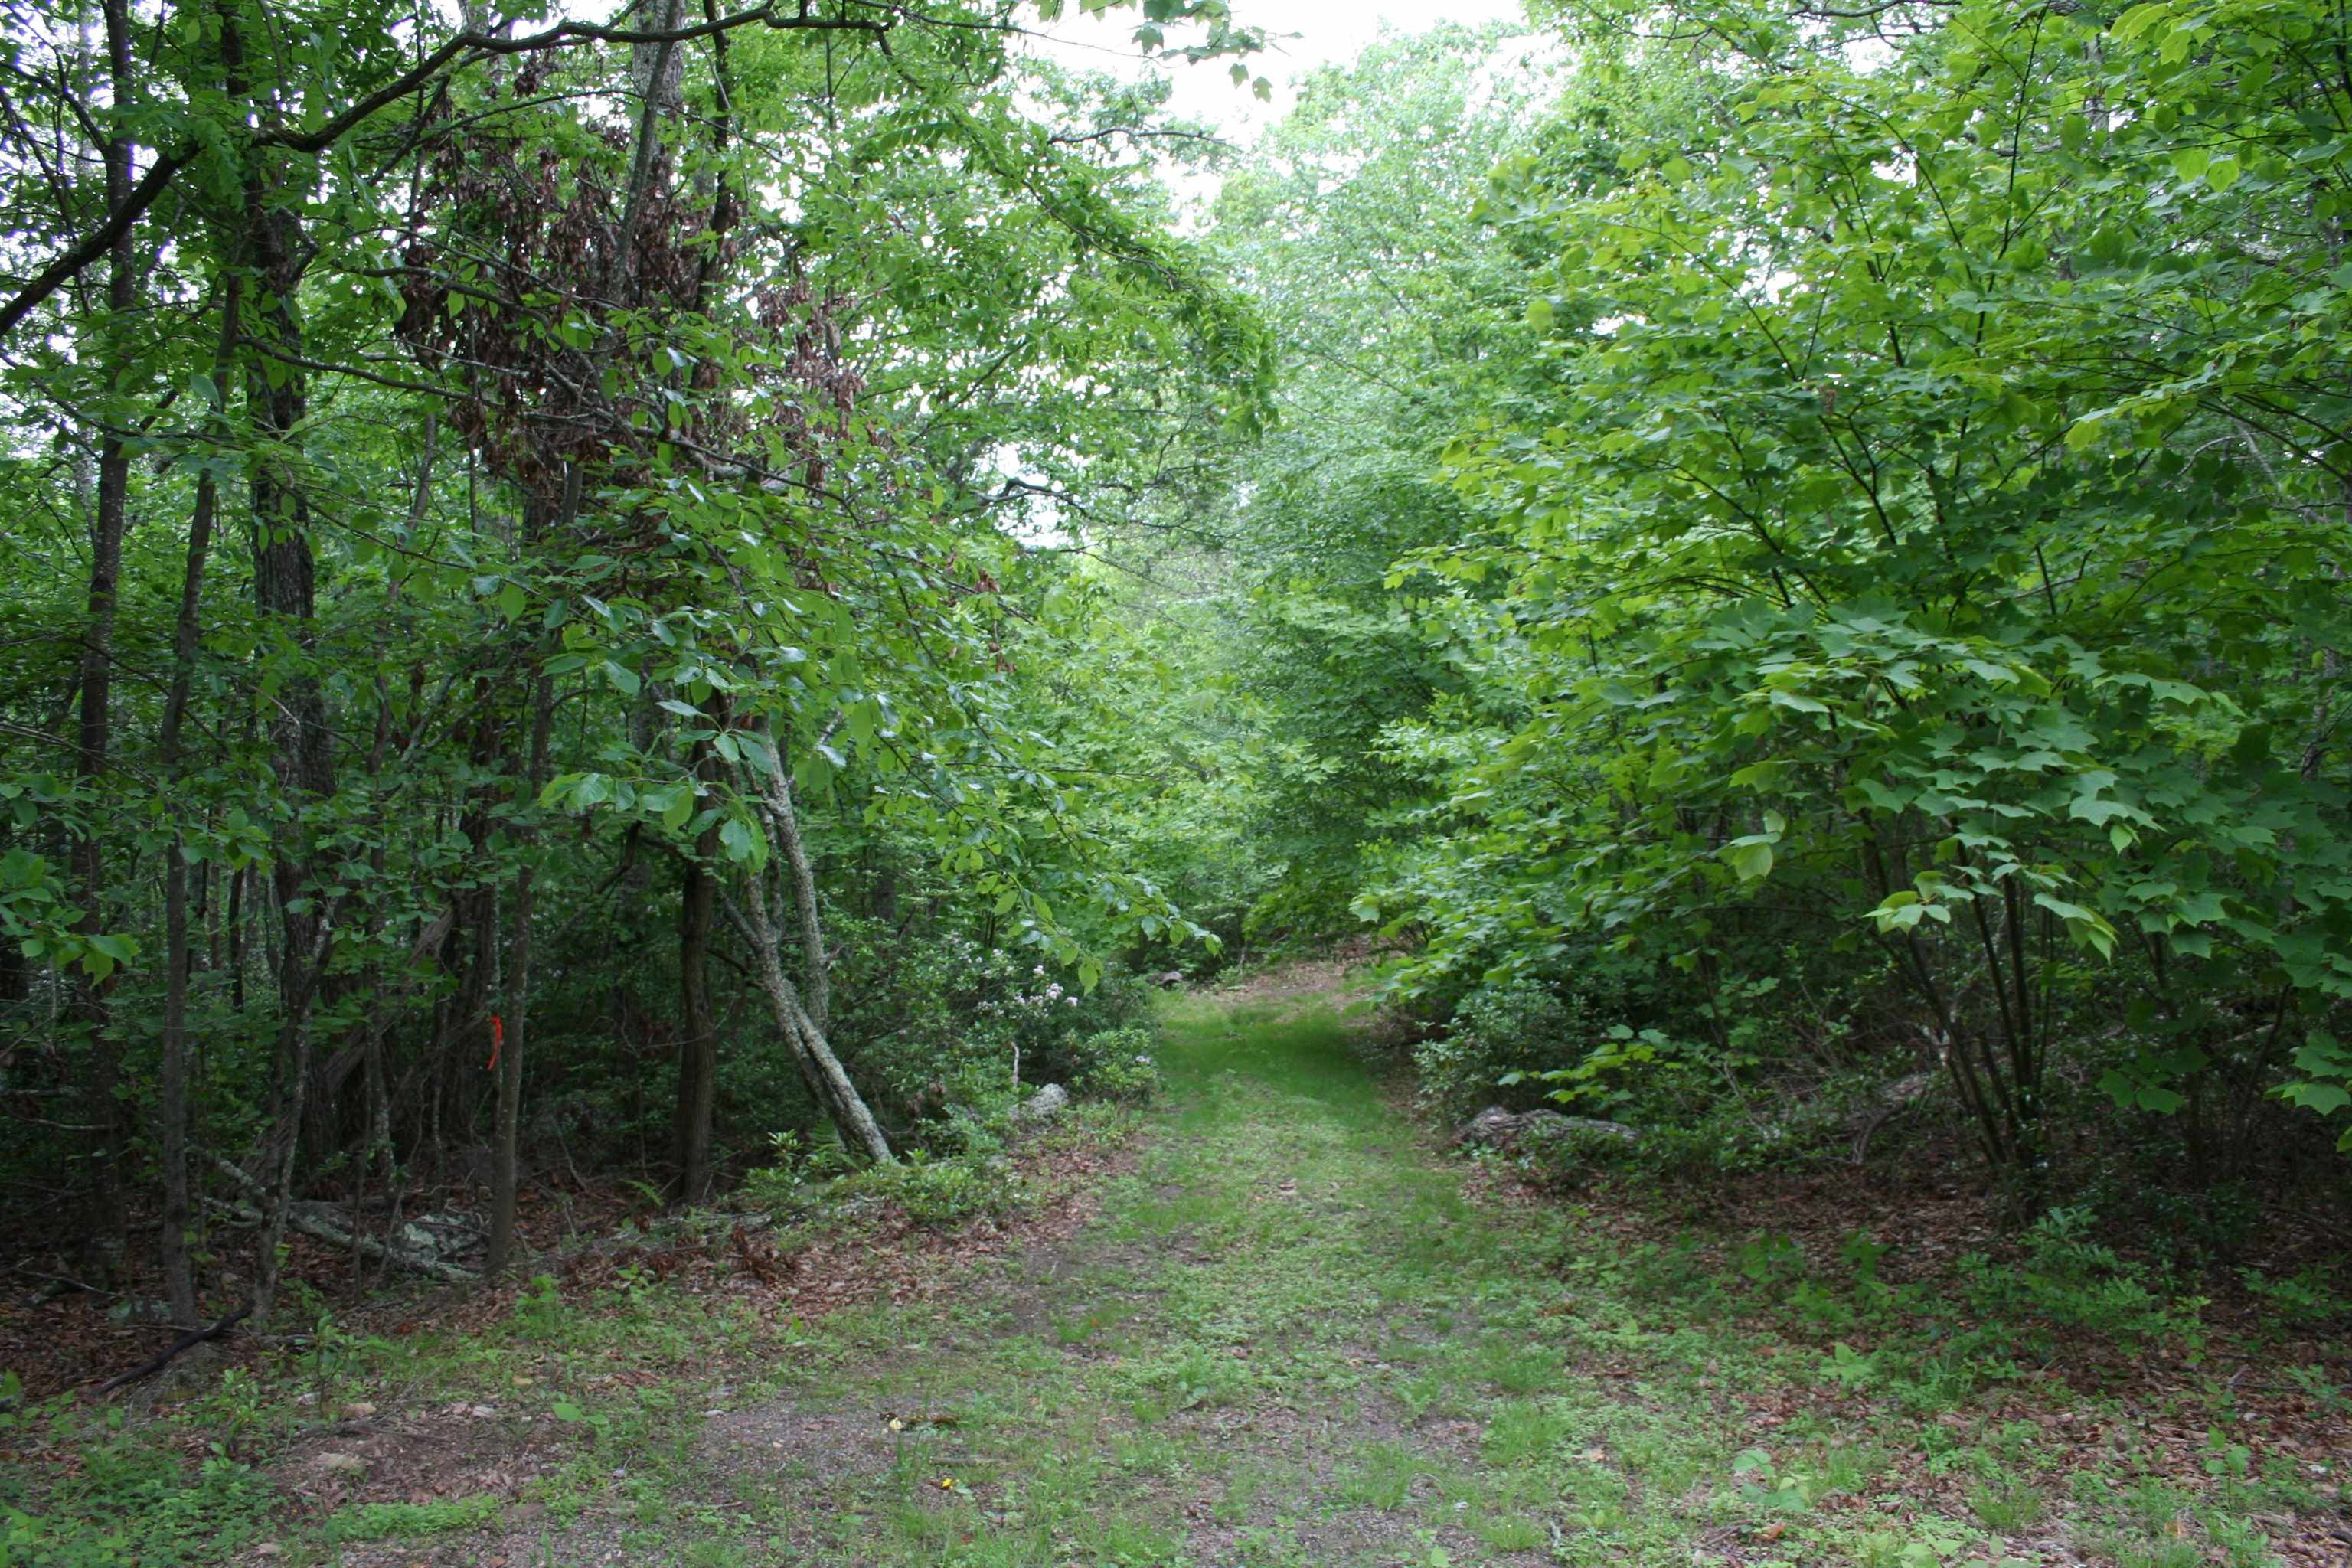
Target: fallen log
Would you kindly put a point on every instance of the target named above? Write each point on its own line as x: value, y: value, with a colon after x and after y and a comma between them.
x: 1498, y: 1127
x: 311, y: 1220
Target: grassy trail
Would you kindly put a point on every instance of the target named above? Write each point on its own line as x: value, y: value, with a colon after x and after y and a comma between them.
x: 1290, y: 1339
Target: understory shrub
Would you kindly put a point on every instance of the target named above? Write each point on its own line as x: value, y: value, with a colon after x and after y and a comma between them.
x: 2066, y: 1280
x: 939, y: 1193
x: 1114, y: 1064
x: 933, y: 1189
x: 941, y: 1024
x: 1514, y: 1031
x: 1564, y: 1156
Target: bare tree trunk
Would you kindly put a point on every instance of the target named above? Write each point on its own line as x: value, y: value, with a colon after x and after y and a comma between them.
x: 94, y: 735
x: 804, y: 1022
x: 806, y: 1038
x: 285, y: 1125
x: 784, y: 823
x: 285, y: 590
x: 507, y: 1154
x: 171, y: 1107
x: 237, y: 881
x: 697, y: 1044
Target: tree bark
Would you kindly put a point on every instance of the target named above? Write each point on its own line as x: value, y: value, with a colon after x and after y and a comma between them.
x: 697, y: 1044
x: 310, y: 1220
x: 784, y: 823
x: 172, y: 1110
x: 804, y: 1022
x: 806, y: 1040
x: 285, y: 578
x: 507, y: 1154
x: 94, y: 733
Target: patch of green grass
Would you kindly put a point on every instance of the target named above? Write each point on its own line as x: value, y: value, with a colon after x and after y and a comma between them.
x: 1522, y: 1432
x: 408, y: 1521
x: 1847, y: 1468
x: 2007, y: 1507
x: 1509, y: 1531
x: 1383, y: 1476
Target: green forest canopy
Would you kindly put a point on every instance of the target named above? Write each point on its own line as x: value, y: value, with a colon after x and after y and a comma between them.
x: 637, y: 584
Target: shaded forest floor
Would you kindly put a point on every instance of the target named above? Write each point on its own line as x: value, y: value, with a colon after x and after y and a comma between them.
x: 1267, y: 1324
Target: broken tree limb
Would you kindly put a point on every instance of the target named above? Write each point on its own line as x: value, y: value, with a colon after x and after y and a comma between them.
x: 784, y: 823
x: 311, y: 1220
x: 170, y: 1352
x: 810, y: 1048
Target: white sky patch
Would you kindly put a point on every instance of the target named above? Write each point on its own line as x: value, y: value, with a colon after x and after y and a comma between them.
x: 1307, y: 34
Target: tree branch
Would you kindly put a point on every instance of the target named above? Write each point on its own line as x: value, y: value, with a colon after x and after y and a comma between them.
x: 463, y: 50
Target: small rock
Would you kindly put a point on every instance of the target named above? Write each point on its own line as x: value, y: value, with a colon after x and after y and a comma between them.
x: 1041, y: 1107
x: 1501, y: 1129
x: 139, y: 1310
x: 442, y: 1237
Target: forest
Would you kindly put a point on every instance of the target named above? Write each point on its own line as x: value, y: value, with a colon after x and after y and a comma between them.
x: 663, y: 642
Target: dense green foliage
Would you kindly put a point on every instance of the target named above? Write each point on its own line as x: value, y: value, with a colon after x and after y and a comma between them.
x: 634, y: 642
x: 525, y: 638
x: 708, y: 591
x: 1808, y: 548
